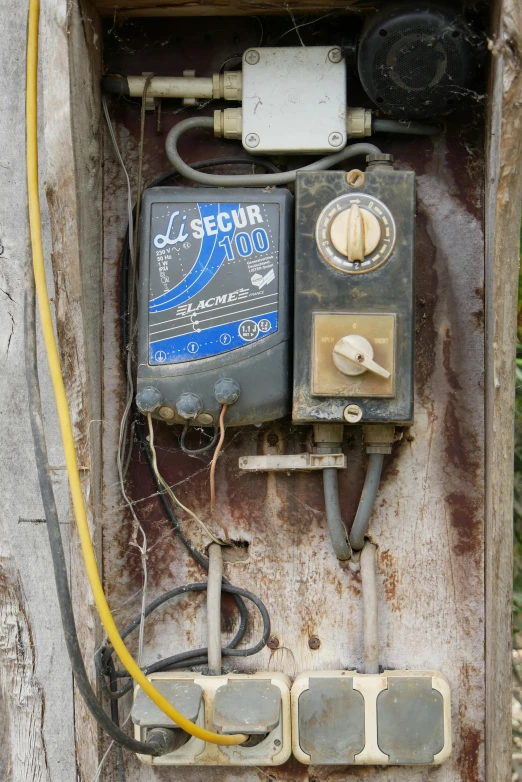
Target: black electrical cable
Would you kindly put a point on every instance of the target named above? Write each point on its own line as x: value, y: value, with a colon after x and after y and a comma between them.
x: 54, y: 533
x: 160, y: 180
x: 205, y: 448
x: 193, y: 657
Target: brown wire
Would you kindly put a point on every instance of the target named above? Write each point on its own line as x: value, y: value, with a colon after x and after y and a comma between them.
x: 213, y: 471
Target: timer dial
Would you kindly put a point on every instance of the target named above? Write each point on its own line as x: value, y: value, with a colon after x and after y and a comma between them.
x: 355, y: 233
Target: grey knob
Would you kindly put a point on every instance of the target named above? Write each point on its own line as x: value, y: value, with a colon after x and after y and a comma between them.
x: 226, y: 391
x: 148, y: 400
x: 188, y: 405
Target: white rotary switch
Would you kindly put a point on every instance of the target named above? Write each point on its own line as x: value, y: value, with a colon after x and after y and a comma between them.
x: 353, y: 355
x: 355, y: 233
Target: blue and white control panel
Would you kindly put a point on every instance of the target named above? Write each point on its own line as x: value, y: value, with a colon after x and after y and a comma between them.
x: 213, y: 278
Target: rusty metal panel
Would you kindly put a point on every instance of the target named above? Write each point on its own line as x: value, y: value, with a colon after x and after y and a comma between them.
x: 429, y: 520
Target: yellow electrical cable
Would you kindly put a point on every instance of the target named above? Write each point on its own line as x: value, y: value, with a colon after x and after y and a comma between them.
x: 63, y: 409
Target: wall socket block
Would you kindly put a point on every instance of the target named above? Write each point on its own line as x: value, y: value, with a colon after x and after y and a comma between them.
x: 394, y: 718
x: 257, y: 704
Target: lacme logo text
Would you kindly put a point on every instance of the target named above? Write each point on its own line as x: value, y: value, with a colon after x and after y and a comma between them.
x: 213, y: 301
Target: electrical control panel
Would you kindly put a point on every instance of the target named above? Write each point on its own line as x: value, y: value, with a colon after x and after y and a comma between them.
x: 214, y: 303
x: 394, y: 718
x: 354, y: 296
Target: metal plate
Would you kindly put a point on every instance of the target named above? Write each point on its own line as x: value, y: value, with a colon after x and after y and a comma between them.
x: 328, y: 328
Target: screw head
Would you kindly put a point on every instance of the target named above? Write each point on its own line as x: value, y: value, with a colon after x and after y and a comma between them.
x: 166, y: 413
x: 335, y: 54
x: 335, y: 139
x: 314, y: 642
x: 273, y: 642
x: 252, y: 57
x: 205, y: 419
x: 352, y: 414
x: 252, y: 140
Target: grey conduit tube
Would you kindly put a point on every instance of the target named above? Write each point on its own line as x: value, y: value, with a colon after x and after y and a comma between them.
x: 370, y: 615
x: 249, y: 180
x: 336, y: 528
x: 367, y: 501
x: 215, y: 576
x: 410, y: 128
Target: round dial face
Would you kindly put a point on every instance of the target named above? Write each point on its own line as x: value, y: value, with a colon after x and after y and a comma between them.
x: 354, y: 259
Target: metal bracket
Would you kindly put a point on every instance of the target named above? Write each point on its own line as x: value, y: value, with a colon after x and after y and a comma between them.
x: 291, y: 462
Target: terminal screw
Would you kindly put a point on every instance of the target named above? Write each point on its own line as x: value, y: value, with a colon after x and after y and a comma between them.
x: 353, y: 414
x: 226, y: 391
x: 252, y: 57
x: 148, y: 400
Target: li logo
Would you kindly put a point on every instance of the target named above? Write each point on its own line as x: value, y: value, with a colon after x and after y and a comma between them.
x: 161, y: 240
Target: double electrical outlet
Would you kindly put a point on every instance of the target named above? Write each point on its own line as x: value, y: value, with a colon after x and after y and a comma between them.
x: 324, y: 718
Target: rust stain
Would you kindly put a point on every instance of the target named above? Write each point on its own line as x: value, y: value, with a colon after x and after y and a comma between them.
x: 391, y: 580
x: 446, y: 360
x: 459, y: 444
x: 426, y: 335
x: 465, y: 522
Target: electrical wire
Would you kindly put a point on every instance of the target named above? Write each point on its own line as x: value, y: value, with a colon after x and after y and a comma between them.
x: 61, y: 578
x: 169, y: 490
x: 254, y: 180
x: 205, y: 448
x: 194, y: 553
x: 64, y: 417
x: 184, y: 659
x: 215, y: 458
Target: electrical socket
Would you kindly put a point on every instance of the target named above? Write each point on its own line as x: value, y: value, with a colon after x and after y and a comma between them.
x: 272, y: 750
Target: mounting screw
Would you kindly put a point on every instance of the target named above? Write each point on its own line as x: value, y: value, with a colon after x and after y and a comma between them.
x: 252, y: 57
x: 353, y: 414
x: 273, y: 642
x: 355, y: 178
x: 252, y: 140
x: 205, y: 419
x: 314, y: 642
x: 335, y: 139
x: 335, y: 55
x: 166, y: 413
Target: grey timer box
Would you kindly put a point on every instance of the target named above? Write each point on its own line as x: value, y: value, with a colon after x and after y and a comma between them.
x: 214, y: 299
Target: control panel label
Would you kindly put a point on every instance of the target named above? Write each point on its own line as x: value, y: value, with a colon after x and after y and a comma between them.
x: 214, y: 278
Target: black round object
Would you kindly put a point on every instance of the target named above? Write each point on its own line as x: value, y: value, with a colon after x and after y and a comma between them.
x: 417, y: 59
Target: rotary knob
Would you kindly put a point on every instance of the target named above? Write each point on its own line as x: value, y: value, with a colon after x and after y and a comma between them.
x: 355, y: 233
x: 353, y: 355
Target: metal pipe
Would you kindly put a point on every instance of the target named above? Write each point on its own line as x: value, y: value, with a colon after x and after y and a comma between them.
x: 370, y: 618
x: 367, y: 501
x: 336, y: 528
x: 215, y: 576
